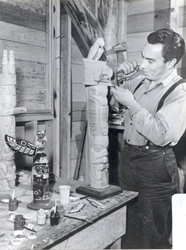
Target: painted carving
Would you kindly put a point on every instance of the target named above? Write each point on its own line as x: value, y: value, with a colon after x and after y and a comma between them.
x: 40, y: 170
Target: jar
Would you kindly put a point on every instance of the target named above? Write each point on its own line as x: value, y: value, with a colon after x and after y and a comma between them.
x: 19, y: 222
x: 54, y: 218
x: 13, y: 204
x: 60, y: 210
x: 41, y: 217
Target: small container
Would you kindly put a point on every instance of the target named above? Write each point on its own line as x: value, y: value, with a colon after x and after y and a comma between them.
x: 41, y: 217
x: 19, y: 222
x: 13, y: 204
x: 60, y: 210
x: 54, y: 218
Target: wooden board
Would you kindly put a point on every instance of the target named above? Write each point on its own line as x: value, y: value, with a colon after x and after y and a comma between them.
x: 141, y: 6
x: 85, y: 27
x: 77, y: 73
x: 156, y: 20
x: 34, y: 5
x: 24, y: 51
x: 16, y: 33
x: 78, y: 116
x: 16, y: 15
x: 77, y: 130
x: 99, y: 235
x: 76, y: 106
x: 78, y: 92
x: 75, y: 146
x: 65, y: 102
x: 182, y: 16
x: 73, y: 164
x: 99, y: 193
x: 76, y: 55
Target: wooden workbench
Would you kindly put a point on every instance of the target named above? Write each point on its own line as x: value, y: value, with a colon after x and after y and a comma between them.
x: 107, y: 226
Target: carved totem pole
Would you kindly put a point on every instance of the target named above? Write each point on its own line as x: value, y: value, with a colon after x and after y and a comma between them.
x: 98, y: 76
x: 7, y: 120
x: 97, y: 79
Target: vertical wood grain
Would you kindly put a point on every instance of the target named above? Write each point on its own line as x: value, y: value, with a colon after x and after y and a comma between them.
x: 48, y: 39
x: 55, y: 60
x: 65, y: 131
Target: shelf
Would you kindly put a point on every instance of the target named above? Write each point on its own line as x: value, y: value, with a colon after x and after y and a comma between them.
x: 27, y: 117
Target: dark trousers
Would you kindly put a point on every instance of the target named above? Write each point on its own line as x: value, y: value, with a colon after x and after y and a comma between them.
x: 153, y: 173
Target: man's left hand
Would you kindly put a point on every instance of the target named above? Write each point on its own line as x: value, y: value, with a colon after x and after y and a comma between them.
x: 123, y: 96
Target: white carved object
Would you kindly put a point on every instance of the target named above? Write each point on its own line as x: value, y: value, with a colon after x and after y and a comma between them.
x: 97, y: 116
x: 7, y: 120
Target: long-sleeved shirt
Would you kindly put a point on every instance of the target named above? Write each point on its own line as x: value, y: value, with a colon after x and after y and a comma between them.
x: 143, y: 123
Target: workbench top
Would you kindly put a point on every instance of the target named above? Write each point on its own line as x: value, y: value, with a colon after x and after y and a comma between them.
x: 47, y: 235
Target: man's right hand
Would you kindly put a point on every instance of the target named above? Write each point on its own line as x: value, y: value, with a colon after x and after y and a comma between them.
x: 127, y: 69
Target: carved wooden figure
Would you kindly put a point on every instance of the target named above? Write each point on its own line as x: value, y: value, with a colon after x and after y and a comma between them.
x: 7, y: 124
x: 97, y: 79
x: 97, y: 109
x: 7, y: 120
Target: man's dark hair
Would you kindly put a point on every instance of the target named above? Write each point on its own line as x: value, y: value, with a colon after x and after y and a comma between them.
x: 173, y: 44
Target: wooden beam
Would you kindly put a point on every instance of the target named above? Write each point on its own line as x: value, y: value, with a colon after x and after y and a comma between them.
x: 85, y: 27
x: 55, y: 77
x: 16, y: 15
x: 148, y: 21
x: 182, y: 16
x: 48, y: 46
x: 65, y: 128
x: 174, y: 15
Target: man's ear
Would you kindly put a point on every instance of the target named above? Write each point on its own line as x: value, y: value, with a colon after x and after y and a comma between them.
x: 172, y: 63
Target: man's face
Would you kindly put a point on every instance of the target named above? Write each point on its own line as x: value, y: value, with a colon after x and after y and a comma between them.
x: 153, y: 65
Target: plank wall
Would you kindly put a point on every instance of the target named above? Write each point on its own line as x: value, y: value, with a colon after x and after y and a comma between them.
x: 143, y: 18
x: 78, y: 112
x: 23, y: 30
x: 146, y: 16
x: 181, y: 29
x: 23, y: 26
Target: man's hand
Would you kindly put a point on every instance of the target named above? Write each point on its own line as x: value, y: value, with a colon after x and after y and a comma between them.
x: 123, y: 96
x: 127, y: 69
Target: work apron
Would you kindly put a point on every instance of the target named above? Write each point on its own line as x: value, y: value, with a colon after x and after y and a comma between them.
x: 153, y: 173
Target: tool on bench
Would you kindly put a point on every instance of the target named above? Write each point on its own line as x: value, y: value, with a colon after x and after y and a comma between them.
x: 79, y: 218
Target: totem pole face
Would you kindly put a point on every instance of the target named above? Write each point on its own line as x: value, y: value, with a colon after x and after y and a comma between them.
x: 7, y: 124
x: 97, y: 78
x: 97, y: 110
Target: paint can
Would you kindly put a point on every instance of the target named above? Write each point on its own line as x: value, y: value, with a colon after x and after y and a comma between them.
x: 13, y: 204
x: 54, y: 218
x: 19, y: 222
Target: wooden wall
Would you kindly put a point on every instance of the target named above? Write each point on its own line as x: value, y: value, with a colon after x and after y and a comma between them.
x: 78, y: 117
x: 23, y: 29
x: 145, y: 17
x: 181, y: 29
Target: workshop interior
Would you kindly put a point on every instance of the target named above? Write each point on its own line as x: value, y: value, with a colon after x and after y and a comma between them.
x: 62, y: 128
